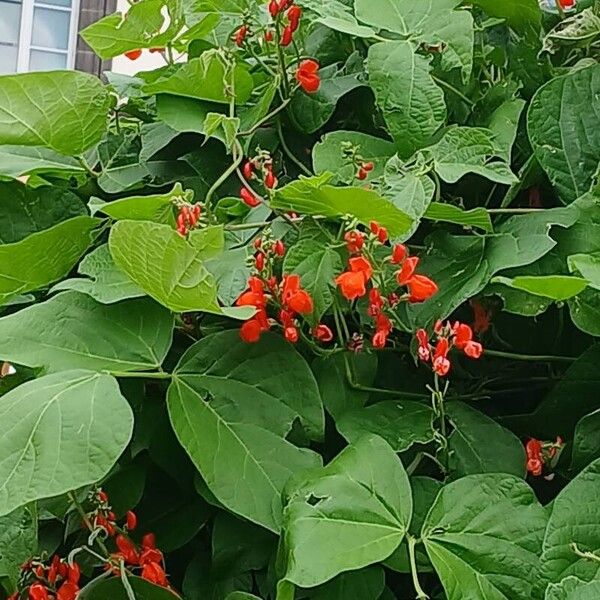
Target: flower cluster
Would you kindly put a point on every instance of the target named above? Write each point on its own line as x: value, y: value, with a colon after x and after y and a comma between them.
x: 54, y: 580
x: 362, y: 167
x: 540, y: 454
x: 258, y: 168
x: 448, y: 336
x: 381, y: 278
x: 187, y: 218
x: 277, y: 8
x: 285, y: 296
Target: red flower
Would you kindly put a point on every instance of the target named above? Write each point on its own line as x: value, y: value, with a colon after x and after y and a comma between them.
x: 270, y: 180
x: 74, y: 573
x: 251, y: 330
x: 154, y: 573
x: 131, y: 520
x: 463, y: 335
x: 375, y: 302
x: 383, y: 323
x: 409, y: 266
x: 151, y: 555
x: 273, y: 8
x: 533, y: 448
x: 441, y: 364
x: 473, y: 349
x: 535, y: 466
x: 259, y: 261
x: 67, y: 591
x: 37, y: 591
x: 361, y: 175
x: 279, y: 248
x: 352, y: 284
x: 149, y: 541
x: 286, y: 36
x: 423, y: 339
x: 293, y: 15
x: 421, y: 288
x: 307, y: 75
x: 255, y: 296
x: 249, y: 198
x: 291, y: 334
x: 359, y: 264
x: 354, y: 241
x: 133, y: 54
x: 128, y: 550
x: 379, y: 339
x: 322, y: 333
x: 294, y: 297
x: 399, y: 253
x: 248, y: 170
x: 382, y: 235
x: 567, y: 3
x: 240, y: 35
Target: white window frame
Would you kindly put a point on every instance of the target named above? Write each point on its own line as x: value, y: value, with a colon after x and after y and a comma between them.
x: 25, y: 46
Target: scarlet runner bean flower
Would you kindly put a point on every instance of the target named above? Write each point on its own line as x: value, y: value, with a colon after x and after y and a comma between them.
x: 188, y: 218
x: 459, y: 336
x: 307, y: 76
x: 249, y: 198
x: 133, y: 54
x: 322, y: 333
x: 240, y: 35
x: 541, y: 454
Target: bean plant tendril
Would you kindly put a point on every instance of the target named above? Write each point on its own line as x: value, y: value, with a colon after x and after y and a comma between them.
x: 307, y: 307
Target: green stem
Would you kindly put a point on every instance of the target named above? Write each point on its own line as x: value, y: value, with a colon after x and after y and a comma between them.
x: 452, y: 89
x: 412, y: 542
x: 529, y: 357
x: 219, y: 182
x: 139, y: 375
x: 559, y: 8
x: 87, y: 167
x: 289, y: 153
x: 512, y: 211
x: 265, y: 119
x: 440, y: 410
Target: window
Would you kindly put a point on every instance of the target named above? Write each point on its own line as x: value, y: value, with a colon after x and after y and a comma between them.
x: 37, y: 35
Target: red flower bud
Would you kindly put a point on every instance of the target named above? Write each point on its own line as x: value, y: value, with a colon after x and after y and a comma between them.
x: 354, y: 241
x: 131, y: 520
x: 362, y: 174
x: 270, y: 180
x: 248, y: 170
x: 382, y: 235
x: 374, y: 227
x: 240, y: 35
x: 149, y: 541
x: 268, y: 35
x: 322, y: 333
x: 399, y: 253
x: 102, y: 496
x: 279, y: 248
x: 379, y: 339
x: 259, y: 261
x: 74, y: 573
x: 291, y: 334
x: 154, y: 573
x: 133, y: 54
x: 293, y: 15
x: 249, y: 198
x: 257, y: 243
x: 273, y: 8
x: 286, y: 36
x: 368, y: 166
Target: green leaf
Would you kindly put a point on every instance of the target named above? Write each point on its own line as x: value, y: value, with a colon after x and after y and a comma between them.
x: 555, y: 287
x: 237, y: 378
x: 317, y: 265
x: 231, y: 272
x: 464, y: 150
x: 184, y: 114
x: 147, y: 24
x: 519, y: 14
x: 157, y: 208
x: 60, y: 432
x: 401, y: 423
x: 573, y: 520
x: 585, y: 311
x: 589, y: 267
x: 479, y: 444
x: 170, y: 268
x: 563, y: 123
x: 16, y: 161
x: 337, y: 16
x: 311, y: 111
x: 71, y: 330
x: 483, y: 535
x: 365, y: 584
x: 244, y: 465
x: 328, y: 154
x: 25, y: 210
x: 572, y: 588
x: 412, y: 104
x: 155, y: 137
x: 504, y: 124
x: 104, y: 282
x: 101, y: 589
x: 205, y: 78
x: 432, y: 23
x: 476, y: 217
x: 63, y: 110
x: 312, y: 196
x: 241, y: 596
x: 356, y: 511
x: 586, y: 442
x: 43, y: 257
x: 18, y: 541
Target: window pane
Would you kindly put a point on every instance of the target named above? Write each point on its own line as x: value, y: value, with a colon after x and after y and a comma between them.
x: 47, y: 61
x: 51, y: 28
x: 10, y: 22
x: 8, y: 59
x: 55, y: 2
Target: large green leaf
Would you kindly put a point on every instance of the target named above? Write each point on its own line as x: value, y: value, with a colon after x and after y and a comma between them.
x: 63, y: 110
x: 43, y: 257
x: 479, y: 444
x: 113, y: 588
x: 519, y: 14
x: 245, y: 466
x: 564, y: 126
x: 356, y: 511
x: 585, y: 311
x: 483, y: 535
x: 573, y: 520
x: 589, y: 267
x: 412, y: 104
x: 268, y: 378
x: 337, y: 16
x: 16, y: 161
x: 317, y: 265
x: 465, y: 150
x: 25, y: 210
x: 432, y: 22
x: 71, y: 330
x: 104, y: 282
x: 18, y: 541
x: 401, y: 423
x: 60, y: 432
x: 572, y: 588
x: 312, y: 196
x: 328, y: 154
x: 205, y: 78
x: 586, y: 441
x: 147, y: 24
x: 555, y: 287
x: 364, y: 584
x: 170, y: 268
x: 476, y: 217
